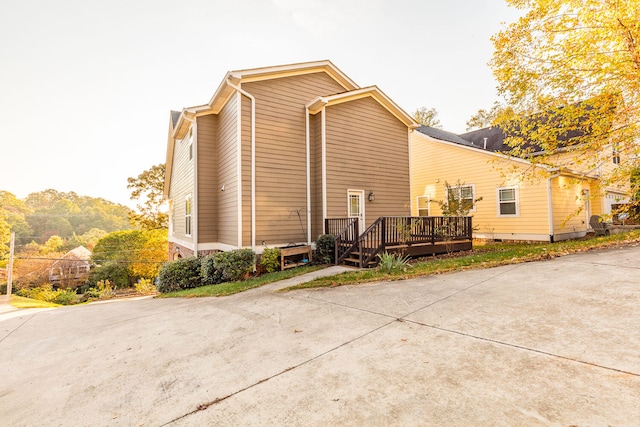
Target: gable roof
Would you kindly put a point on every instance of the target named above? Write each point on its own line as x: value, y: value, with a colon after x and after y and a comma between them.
x: 451, y: 139
x: 442, y: 135
x: 234, y: 78
x: 175, y: 115
x: 77, y: 254
x: 491, y: 139
x: 572, y: 123
x: 371, y: 91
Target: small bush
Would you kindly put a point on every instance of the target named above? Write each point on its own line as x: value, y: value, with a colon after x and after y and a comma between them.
x: 48, y: 294
x: 326, y: 249
x: 180, y: 274
x: 102, y: 290
x: 208, y: 272
x: 270, y: 260
x: 145, y: 287
x: 234, y: 265
x: 66, y: 297
x: 390, y: 262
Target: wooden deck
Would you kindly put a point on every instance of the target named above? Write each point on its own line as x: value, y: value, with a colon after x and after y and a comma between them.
x: 413, y: 236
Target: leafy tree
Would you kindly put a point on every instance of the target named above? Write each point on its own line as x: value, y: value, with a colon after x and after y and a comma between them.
x: 148, y: 187
x: 54, y: 244
x: 63, y: 214
x: 484, y: 118
x: 139, y: 252
x: 88, y: 239
x: 459, y: 200
x: 575, y: 66
x: 13, y: 211
x: 5, y: 235
x: 427, y: 116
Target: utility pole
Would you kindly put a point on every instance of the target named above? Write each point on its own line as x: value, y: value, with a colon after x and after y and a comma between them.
x: 10, y: 269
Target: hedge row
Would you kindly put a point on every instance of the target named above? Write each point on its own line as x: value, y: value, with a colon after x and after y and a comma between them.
x: 215, y: 268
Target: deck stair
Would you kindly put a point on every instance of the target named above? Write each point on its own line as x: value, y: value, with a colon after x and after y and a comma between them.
x: 414, y: 236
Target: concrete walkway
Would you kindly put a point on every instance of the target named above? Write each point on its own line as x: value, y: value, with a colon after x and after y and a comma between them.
x: 547, y: 343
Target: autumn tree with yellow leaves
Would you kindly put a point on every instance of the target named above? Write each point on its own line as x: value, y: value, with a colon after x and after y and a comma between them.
x: 569, y: 72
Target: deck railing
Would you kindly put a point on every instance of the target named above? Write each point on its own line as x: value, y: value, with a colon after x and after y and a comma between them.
x: 346, y: 232
x: 395, y: 232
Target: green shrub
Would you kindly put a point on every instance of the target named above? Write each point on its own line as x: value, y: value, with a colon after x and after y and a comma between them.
x: 183, y: 273
x: 234, y: 265
x: 390, y: 262
x: 210, y: 275
x: 326, y: 249
x: 145, y: 287
x: 102, y: 290
x: 116, y: 274
x: 66, y: 297
x: 270, y: 259
x: 48, y: 294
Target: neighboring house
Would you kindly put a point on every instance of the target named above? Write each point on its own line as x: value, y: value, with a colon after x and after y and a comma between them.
x: 553, y: 207
x: 278, y: 150
x: 72, y: 269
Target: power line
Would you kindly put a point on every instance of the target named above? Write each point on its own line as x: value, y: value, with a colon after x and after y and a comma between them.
x: 92, y: 260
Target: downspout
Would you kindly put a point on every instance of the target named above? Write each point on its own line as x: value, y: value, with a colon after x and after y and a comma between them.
x: 409, y: 132
x: 550, y: 207
x: 323, y: 131
x: 308, y: 148
x: 253, y: 161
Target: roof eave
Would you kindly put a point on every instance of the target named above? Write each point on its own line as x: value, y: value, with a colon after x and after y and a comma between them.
x: 371, y: 91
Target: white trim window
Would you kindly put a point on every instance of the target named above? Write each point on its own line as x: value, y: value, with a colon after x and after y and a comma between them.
x: 424, y: 205
x: 615, y: 154
x: 464, y: 196
x: 187, y: 215
x: 508, y: 201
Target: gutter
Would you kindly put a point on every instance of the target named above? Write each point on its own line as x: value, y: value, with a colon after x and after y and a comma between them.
x: 253, y: 163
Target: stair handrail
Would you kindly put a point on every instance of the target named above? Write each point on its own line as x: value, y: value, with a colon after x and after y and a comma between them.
x: 378, y: 227
x: 342, y: 236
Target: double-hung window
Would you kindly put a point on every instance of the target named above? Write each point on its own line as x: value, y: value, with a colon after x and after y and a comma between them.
x: 508, y: 201
x: 187, y: 215
x: 461, y: 199
x: 423, y: 205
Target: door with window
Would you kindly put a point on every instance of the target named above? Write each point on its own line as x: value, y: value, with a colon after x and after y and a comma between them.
x: 355, y: 206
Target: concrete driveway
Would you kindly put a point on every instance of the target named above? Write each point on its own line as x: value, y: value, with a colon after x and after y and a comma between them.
x: 545, y: 343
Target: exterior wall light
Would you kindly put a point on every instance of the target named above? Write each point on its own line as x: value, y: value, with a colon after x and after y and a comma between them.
x: 371, y: 196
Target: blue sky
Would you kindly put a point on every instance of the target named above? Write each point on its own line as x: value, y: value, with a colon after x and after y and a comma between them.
x: 86, y: 86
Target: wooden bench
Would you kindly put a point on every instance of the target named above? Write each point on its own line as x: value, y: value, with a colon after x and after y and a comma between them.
x: 292, y: 251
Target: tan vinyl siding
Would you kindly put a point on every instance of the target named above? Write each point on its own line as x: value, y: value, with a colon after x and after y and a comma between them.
x: 315, y: 128
x: 246, y: 171
x: 207, y: 179
x: 435, y: 163
x: 182, y: 184
x: 227, y: 174
x: 367, y: 149
x: 281, y: 153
